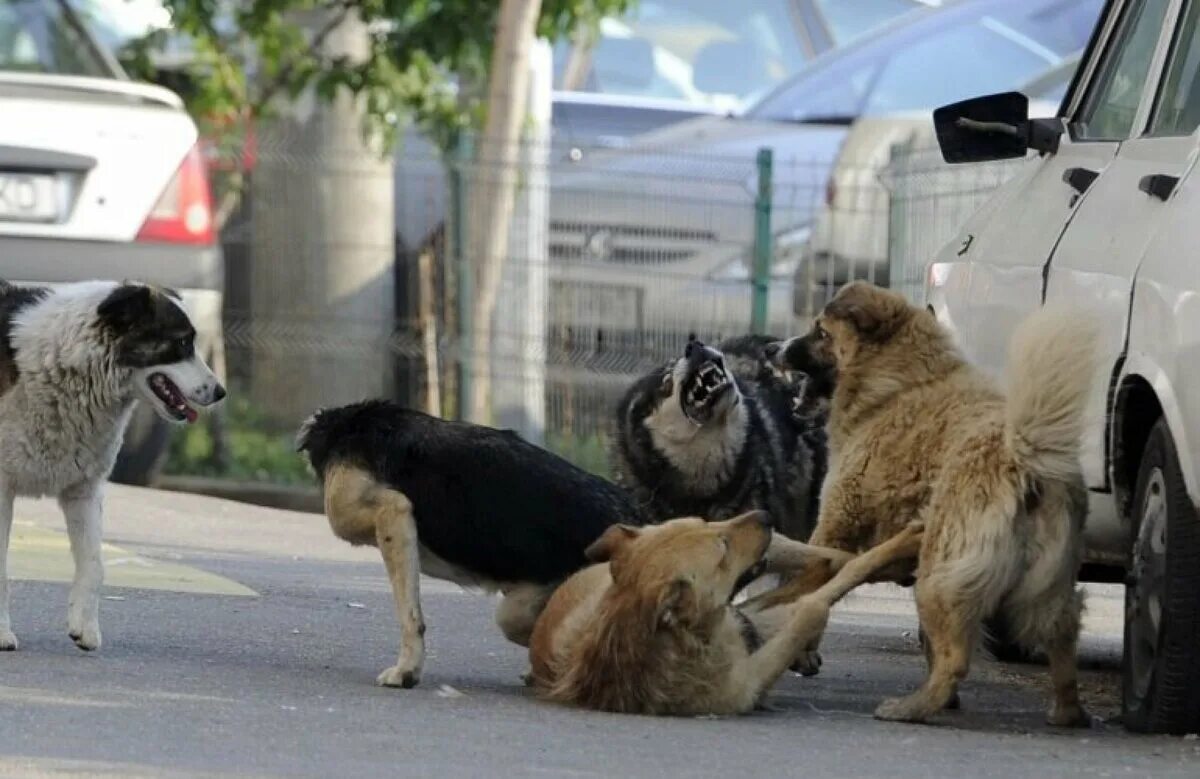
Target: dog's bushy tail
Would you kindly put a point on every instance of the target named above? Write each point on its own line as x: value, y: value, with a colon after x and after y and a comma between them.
x: 1051, y: 363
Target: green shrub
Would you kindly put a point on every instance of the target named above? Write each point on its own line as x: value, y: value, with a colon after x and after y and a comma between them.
x: 254, y: 450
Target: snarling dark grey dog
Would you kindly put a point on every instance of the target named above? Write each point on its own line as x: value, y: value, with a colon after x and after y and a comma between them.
x: 720, y: 431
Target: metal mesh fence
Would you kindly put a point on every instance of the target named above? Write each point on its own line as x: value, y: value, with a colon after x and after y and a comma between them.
x: 349, y: 276
x: 345, y: 280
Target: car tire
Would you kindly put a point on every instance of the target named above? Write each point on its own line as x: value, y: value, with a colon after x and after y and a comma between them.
x: 1160, y: 675
x: 141, y: 458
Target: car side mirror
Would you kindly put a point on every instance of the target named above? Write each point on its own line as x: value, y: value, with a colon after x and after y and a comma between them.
x: 993, y: 127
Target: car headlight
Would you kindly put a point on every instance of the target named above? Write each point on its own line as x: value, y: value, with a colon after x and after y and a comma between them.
x: 787, y: 249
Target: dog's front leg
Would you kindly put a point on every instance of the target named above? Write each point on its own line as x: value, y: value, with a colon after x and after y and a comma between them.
x: 82, y: 509
x: 786, y: 555
x: 799, y: 635
x: 8, y: 639
x: 806, y: 620
x: 396, y: 535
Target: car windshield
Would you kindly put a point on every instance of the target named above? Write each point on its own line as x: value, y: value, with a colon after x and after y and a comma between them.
x: 1000, y: 45
x: 848, y: 19
x: 710, y: 52
x: 40, y: 36
x: 117, y: 22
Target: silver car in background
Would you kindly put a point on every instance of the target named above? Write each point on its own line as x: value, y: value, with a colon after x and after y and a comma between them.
x: 661, y: 231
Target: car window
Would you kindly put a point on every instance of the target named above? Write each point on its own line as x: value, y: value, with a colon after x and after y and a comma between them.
x: 703, y: 51
x: 1112, y: 103
x: 968, y: 61
x: 1178, y: 110
x: 36, y: 36
x: 968, y: 55
x: 848, y: 20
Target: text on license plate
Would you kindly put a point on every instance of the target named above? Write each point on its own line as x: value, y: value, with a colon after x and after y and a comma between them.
x: 28, y: 197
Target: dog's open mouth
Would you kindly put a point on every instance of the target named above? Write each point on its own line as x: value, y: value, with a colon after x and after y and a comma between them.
x: 703, y: 389
x: 172, y: 398
x: 748, y: 576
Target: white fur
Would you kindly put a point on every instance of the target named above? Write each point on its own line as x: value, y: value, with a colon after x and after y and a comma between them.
x: 705, y: 454
x: 1051, y: 363
x: 61, y: 426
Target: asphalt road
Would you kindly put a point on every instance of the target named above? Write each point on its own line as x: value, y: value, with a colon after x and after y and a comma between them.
x: 247, y: 641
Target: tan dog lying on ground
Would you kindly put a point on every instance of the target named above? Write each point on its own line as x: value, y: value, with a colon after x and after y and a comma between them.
x: 653, y: 632
x: 916, y: 433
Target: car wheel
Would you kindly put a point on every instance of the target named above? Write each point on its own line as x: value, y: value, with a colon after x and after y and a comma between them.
x: 1160, y: 676
x: 145, y: 449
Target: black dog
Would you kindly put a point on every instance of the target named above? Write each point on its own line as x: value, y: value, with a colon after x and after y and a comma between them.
x: 718, y: 432
x: 470, y: 504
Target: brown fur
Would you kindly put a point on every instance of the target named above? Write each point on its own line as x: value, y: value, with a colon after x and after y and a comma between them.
x: 653, y: 632
x: 916, y: 433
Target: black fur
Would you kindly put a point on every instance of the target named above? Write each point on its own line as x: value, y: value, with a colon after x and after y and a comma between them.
x: 776, y: 470
x: 13, y: 300
x: 483, y: 499
x: 147, y: 327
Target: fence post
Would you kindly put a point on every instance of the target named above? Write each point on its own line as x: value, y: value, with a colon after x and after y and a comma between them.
x: 464, y: 273
x: 761, y: 281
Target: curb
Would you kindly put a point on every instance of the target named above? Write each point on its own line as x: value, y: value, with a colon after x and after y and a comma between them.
x: 276, y: 496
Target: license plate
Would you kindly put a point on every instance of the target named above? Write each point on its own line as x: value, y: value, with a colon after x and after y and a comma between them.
x: 581, y: 304
x: 28, y: 197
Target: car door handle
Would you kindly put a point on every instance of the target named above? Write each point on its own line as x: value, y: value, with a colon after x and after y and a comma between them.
x: 1158, y: 185
x: 1079, y: 178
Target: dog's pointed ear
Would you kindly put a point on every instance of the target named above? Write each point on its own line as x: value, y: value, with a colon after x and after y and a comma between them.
x: 667, y: 385
x: 610, y: 543
x: 677, y: 606
x: 126, y: 304
x: 874, y: 313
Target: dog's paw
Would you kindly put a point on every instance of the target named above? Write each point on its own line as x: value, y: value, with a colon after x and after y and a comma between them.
x: 396, y: 676
x: 8, y: 640
x: 87, y: 638
x: 807, y: 663
x: 900, y: 710
x: 1069, y: 717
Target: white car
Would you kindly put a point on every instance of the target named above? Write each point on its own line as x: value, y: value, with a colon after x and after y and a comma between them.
x: 1105, y: 217
x: 100, y: 178
x: 889, y: 160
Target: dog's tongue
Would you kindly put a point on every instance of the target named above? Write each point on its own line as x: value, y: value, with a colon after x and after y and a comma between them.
x: 190, y: 414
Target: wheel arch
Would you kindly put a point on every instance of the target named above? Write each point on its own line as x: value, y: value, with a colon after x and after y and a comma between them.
x: 1145, y: 393
x: 1135, y: 410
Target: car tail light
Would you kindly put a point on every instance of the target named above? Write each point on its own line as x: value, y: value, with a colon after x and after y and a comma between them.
x: 183, y: 213
x: 830, y: 191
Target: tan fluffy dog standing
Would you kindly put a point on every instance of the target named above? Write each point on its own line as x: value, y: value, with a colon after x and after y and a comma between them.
x: 653, y: 632
x: 916, y: 433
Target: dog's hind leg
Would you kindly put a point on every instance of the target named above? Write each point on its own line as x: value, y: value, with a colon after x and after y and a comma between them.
x: 518, y: 611
x: 1061, y: 644
x: 396, y: 535
x: 82, y: 509
x: 8, y: 639
x: 1051, y: 621
x: 951, y: 628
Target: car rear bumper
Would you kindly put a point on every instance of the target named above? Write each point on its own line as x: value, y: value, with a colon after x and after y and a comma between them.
x: 48, y: 260
x: 196, y: 272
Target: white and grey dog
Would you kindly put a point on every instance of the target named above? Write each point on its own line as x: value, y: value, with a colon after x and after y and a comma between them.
x: 73, y: 361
